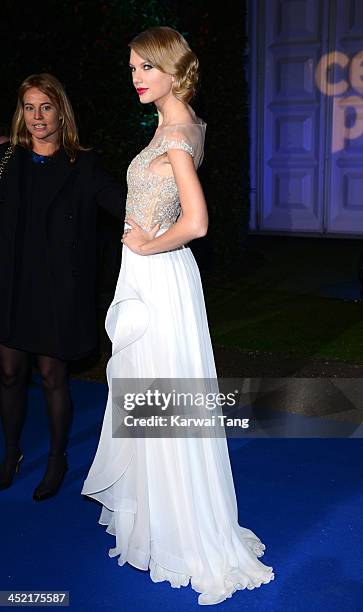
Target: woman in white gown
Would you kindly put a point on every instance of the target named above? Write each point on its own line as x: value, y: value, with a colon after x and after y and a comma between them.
x: 170, y: 502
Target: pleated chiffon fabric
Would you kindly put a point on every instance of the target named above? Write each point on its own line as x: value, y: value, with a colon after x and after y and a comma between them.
x: 169, y: 502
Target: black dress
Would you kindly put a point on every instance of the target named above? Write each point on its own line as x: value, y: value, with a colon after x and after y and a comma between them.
x: 32, y: 317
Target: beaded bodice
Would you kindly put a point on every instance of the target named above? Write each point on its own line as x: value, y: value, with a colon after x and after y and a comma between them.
x: 153, y: 198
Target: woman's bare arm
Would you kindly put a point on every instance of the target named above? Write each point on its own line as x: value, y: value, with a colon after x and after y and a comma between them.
x: 192, y: 223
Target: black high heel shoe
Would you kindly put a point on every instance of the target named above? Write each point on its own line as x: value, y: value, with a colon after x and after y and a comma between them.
x: 10, y: 467
x: 57, y: 467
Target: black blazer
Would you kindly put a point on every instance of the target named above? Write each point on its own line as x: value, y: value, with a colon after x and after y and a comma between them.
x: 70, y: 204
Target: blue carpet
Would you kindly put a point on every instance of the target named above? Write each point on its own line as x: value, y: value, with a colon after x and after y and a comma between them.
x: 302, y: 497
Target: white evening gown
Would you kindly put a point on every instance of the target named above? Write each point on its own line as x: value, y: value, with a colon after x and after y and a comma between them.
x: 170, y: 502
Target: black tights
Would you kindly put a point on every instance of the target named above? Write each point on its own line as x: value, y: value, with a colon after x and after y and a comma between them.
x: 14, y: 370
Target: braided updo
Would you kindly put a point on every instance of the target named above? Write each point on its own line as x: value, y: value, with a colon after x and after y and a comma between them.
x: 169, y: 52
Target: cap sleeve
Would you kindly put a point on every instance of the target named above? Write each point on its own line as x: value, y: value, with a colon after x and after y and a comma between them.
x: 187, y: 137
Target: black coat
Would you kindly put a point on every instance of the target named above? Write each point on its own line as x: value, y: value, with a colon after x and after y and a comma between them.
x: 70, y: 204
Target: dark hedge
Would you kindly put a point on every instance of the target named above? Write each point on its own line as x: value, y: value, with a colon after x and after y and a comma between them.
x: 84, y: 44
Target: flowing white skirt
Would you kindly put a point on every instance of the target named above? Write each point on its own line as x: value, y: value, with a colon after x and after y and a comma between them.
x: 170, y: 502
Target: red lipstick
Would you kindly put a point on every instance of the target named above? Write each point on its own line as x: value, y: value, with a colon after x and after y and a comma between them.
x: 141, y: 90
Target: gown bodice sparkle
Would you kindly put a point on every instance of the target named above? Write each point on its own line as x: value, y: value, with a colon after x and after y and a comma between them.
x: 152, y: 197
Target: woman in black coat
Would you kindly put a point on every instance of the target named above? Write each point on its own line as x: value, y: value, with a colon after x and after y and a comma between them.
x: 50, y: 188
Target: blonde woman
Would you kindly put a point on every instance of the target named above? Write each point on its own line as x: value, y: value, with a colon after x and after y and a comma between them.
x: 49, y: 191
x: 169, y: 501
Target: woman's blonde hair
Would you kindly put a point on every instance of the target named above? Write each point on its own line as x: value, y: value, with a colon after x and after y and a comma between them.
x: 168, y: 51
x: 49, y: 85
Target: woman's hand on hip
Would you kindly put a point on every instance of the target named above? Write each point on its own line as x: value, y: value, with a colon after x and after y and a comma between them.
x: 135, y: 236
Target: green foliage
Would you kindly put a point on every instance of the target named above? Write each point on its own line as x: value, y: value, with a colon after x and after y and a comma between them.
x: 87, y: 49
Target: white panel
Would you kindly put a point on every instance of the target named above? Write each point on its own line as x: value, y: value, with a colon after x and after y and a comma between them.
x: 294, y: 20
x: 289, y: 207
x: 351, y: 15
x: 344, y: 194
x: 352, y: 183
x: 293, y: 76
x: 293, y: 134
x: 290, y: 187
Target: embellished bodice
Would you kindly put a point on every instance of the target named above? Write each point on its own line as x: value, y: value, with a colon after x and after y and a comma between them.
x: 152, y: 197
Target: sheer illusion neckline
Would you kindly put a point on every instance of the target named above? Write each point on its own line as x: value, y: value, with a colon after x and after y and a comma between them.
x: 201, y: 123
